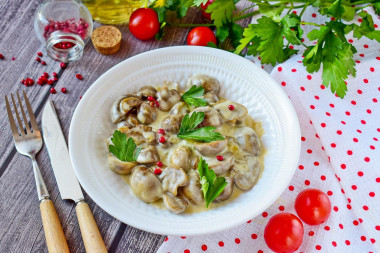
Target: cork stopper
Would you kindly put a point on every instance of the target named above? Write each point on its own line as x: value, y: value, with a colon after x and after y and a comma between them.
x: 106, y: 39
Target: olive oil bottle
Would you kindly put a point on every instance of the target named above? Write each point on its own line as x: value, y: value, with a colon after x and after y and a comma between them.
x: 112, y: 11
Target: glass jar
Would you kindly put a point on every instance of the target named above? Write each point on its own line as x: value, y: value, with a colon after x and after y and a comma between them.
x: 64, y: 27
x: 113, y: 11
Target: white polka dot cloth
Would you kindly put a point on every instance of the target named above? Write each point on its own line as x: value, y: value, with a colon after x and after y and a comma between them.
x: 340, y: 155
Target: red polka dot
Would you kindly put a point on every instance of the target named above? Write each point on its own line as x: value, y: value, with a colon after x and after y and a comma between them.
x: 377, y: 228
x: 249, y: 221
x: 314, y: 15
x: 302, y: 88
x: 374, y: 100
x: 307, y: 182
x: 349, y: 152
x: 332, y: 105
x: 363, y: 238
x: 367, y: 159
x: 303, y: 138
x: 328, y: 114
x: 281, y: 208
x: 318, y: 247
x: 359, y: 91
x: 323, y: 125
x: 363, y: 122
x: 333, y: 145
x: 333, y: 243
x: 265, y: 214
x: 353, y: 102
x: 378, y: 180
x: 347, y: 242
x: 311, y: 233
x: 355, y: 139
x: 283, y: 83
x: 183, y: 237
x: 368, y: 111
x: 291, y: 188
x: 355, y: 222
x: 336, y: 209
x: 354, y: 187
x: 254, y: 236
x: 309, y: 151
x: 260, y: 251
x: 186, y: 251
x: 327, y: 228
x: 316, y: 97
x: 343, y: 166
x: 365, y: 208
x: 365, y: 46
x: 279, y: 69
x: 339, y: 132
x: 371, y: 194
x: 348, y: 113
x: 343, y: 122
x: 365, y: 80
x: 166, y: 239
x: 350, y: 41
x: 221, y: 244
x: 329, y: 193
x: 360, y: 173
x: 312, y: 107
x: 361, y: 55
x: 323, y: 177
x: 308, y: 77
x: 340, y: 226
x: 372, y: 69
x: 294, y: 70
x: 372, y: 240
x: 204, y: 247
x: 237, y: 240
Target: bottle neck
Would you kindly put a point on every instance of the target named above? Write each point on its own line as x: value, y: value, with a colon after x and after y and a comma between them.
x: 64, y: 47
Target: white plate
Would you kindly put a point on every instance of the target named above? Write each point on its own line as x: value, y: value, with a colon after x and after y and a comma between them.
x: 241, y: 81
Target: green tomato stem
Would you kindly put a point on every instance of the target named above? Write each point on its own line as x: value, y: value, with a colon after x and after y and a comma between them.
x: 308, y: 23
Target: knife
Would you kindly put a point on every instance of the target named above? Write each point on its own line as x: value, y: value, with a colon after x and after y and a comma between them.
x: 66, y: 180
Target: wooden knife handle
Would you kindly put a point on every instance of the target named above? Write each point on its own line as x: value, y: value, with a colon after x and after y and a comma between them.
x: 55, y: 238
x: 92, y: 239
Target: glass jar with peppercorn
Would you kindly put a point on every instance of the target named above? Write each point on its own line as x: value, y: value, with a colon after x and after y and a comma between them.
x: 64, y: 27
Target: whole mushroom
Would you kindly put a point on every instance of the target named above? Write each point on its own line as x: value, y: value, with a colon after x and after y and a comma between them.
x: 146, y: 113
x: 180, y: 158
x: 208, y: 83
x: 246, y: 172
x: 167, y: 98
x: 248, y: 140
x: 193, y: 190
x: 212, y: 116
x: 118, y: 166
x: 233, y: 113
x: 175, y: 204
x: 172, y: 178
x: 145, y: 185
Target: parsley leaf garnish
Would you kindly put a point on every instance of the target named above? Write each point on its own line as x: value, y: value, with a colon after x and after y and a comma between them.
x: 203, y: 134
x: 192, y: 96
x: 124, y: 149
x: 212, y: 186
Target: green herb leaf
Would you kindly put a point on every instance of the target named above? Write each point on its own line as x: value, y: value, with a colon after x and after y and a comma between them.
x: 192, y: 96
x: 203, y: 134
x: 212, y: 186
x: 189, y: 123
x: 124, y: 149
x: 221, y: 11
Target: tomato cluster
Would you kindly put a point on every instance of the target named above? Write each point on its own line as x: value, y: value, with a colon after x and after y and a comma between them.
x: 144, y: 25
x: 284, y: 231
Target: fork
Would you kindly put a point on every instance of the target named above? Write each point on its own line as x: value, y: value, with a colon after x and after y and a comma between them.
x: 28, y: 142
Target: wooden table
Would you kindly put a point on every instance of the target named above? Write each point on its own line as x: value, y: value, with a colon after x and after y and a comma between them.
x: 20, y: 221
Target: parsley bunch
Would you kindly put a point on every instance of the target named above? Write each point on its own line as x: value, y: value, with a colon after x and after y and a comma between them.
x: 275, y: 33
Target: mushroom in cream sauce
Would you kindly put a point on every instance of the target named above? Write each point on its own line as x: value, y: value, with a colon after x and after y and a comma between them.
x: 165, y: 164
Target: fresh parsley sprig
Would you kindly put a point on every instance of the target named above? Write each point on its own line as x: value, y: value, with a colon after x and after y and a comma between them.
x: 203, y: 134
x: 212, y: 186
x: 124, y: 149
x: 273, y: 36
x: 193, y: 96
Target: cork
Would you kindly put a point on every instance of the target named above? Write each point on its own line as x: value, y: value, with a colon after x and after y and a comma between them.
x: 106, y: 39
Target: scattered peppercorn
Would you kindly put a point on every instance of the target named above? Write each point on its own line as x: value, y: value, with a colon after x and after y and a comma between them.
x: 79, y: 76
x: 219, y: 157
x: 1, y: 57
x: 43, y: 63
x: 38, y: 59
x: 53, y: 91
x: 40, y: 54
x: 161, y: 131
x: 63, y: 65
x: 64, y: 90
x: 159, y: 164
x: 231, y: 107
x: 162, y: 139
x: 157, y: 171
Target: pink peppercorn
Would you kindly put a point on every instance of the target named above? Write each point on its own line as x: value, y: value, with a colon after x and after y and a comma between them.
x: 162, y: 139
x: 219, y: 157
x: 161, y: 131
x: 231, y: 107
x: 159, y: 164
x: 63, y: 90
x: 53, y: 91
x: 79, y: 76
x: 40, y: 54
x: 1, y: 57
x: 38, y: 59
x: 43, y: 63
x: 63, y: 65
x: 157, y: 171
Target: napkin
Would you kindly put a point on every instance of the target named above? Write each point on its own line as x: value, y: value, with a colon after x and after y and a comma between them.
x: 340, y: 155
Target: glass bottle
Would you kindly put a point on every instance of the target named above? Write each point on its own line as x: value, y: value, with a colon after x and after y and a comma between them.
x: 112, y: 11
x: 64, y: 27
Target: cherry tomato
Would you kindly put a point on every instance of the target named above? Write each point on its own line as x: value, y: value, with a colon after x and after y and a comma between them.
x: 204, y: 8
x: 200, y: 36
x: 313, y: 206
x: 144, y: 24
x: 284, y: 233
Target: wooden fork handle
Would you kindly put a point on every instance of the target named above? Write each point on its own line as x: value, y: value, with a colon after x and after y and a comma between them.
x: 92, y: 239
x: 55, y: 238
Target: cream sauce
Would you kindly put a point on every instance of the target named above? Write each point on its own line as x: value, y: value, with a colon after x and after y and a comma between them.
x: 226, y: 130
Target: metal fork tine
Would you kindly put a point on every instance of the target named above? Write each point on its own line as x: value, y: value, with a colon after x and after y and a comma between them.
x: 30, y: 112
x: 18, y: 117
x: 23, y: 114
x: 11, y: 119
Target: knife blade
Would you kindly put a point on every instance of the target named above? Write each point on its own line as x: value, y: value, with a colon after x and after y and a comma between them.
x: 66, y: 179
